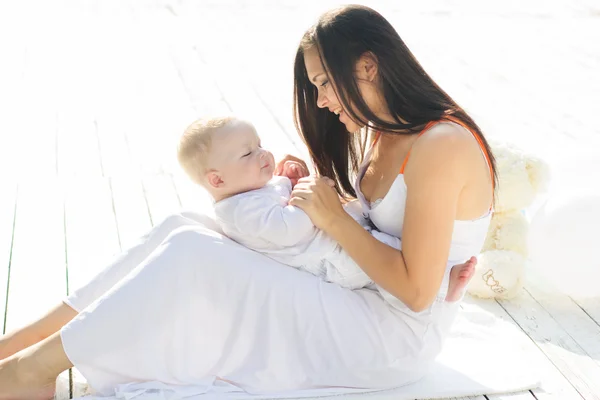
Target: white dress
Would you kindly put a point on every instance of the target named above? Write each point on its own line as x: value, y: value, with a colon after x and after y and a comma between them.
x: 188, y: 307
x: 263, y: 221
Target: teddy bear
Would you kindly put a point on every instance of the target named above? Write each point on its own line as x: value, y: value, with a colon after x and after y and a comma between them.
x: 501, y: 264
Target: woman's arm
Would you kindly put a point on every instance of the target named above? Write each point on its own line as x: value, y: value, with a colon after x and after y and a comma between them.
x: 413, y: 275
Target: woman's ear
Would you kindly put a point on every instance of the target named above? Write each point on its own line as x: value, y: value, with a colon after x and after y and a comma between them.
x: 367, y: 67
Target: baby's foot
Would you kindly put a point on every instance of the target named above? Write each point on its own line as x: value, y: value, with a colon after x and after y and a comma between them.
x: 460, y: 275
x: 16, y: 384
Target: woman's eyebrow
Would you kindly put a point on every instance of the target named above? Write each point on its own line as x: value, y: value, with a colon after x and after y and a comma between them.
x: 316, y: 76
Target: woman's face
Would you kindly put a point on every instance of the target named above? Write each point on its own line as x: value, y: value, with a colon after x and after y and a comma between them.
x: 326, y: 93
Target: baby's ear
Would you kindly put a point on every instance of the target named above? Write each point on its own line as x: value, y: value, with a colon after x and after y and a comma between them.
x: 214, y: 179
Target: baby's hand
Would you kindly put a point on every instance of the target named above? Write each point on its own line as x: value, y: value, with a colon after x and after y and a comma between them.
x: 293, y: 168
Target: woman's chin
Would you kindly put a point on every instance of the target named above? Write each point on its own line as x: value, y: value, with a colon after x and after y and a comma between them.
x: 352, y: 127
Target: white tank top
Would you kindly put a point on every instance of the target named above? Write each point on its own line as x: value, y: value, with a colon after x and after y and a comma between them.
x: 387, y: 214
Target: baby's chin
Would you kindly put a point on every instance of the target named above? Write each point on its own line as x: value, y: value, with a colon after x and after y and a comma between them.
x: 264, y: 179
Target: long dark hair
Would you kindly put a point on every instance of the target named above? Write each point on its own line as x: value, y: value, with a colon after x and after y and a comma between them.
x: 341, y: 37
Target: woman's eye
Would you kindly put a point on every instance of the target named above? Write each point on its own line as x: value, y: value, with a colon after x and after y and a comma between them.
x: 324, y: 83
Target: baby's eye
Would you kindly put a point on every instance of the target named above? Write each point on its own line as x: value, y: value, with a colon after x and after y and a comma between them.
x: 247, y: 154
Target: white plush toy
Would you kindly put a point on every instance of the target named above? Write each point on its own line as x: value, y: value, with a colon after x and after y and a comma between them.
x: 501, y: 264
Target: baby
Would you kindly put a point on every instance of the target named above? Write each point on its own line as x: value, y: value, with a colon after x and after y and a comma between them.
x: 224, y: 155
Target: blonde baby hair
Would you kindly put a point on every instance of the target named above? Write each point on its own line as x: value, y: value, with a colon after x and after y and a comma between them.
x: 195, y: 145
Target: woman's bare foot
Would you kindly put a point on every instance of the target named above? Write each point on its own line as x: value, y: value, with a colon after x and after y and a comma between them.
x: 460, y: 275
x: 19, y: 384
x: 31, y: 373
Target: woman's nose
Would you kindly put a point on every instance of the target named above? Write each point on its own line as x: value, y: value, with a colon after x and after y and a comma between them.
x: 321, y: 100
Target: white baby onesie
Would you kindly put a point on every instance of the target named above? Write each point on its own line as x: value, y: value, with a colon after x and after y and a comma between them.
x: 263, y: 221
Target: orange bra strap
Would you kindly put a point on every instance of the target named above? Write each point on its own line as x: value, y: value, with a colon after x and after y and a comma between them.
x: 429, y: 125
x: 456, y: 121
x: 480, y: 142
x: 487, y: 158
x: 377, y: 136
x: 459, y: 122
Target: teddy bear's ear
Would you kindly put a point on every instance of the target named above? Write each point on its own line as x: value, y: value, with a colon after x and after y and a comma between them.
x: 539, y: 173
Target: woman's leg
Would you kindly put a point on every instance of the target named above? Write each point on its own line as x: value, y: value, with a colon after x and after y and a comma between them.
x: 31, y: 374
x: 37, y: 331
x: 201, y: 307
x: 147, y: 295
x: 81, y: 298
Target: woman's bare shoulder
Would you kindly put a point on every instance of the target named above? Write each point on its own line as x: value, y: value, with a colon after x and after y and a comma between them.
x: 447, y: 143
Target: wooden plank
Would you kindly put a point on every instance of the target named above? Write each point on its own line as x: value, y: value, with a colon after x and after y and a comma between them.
x: 12, y: 68
x: 221, y: 88
x: 512, y: 396
x: 125, y: 204
x: 132, y: 221
x: 569, y: 315
x: 268, y: 75
x: 78, y: 152
x: 554, y: 385
x: 192, y: 196
x: 159, y: 110
x: 591, y: 306
x: 245, y: 103
x: 34, y: 113
x: 173, y: 110
x: 12, y: 71
x: 131, y: 209
x: 560, y: 348
x: 114, y: 149
x: 79, y: 386
x: 91, y: 237
x: 33, y: 140
x: 181, y: 113
x: 7, y: 218
x: 204, y: 95
x: 38, y: 271
x: 91, y: 230
x: 145, y: 153
x: 461, y: 398
x: 161, y: 196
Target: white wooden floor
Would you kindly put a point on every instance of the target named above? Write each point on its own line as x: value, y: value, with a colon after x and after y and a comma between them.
x: 93, y: 95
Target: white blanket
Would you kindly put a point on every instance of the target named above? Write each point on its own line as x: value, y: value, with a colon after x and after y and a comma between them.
x: 479, y: 358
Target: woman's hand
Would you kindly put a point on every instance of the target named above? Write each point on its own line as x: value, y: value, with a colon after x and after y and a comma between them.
x: 293, y: 168
x: 317, y: 197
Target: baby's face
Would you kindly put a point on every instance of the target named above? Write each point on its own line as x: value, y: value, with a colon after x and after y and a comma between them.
x: 240, y: 162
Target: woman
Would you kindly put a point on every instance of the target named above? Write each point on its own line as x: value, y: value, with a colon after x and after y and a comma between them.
x: 188, y: 306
